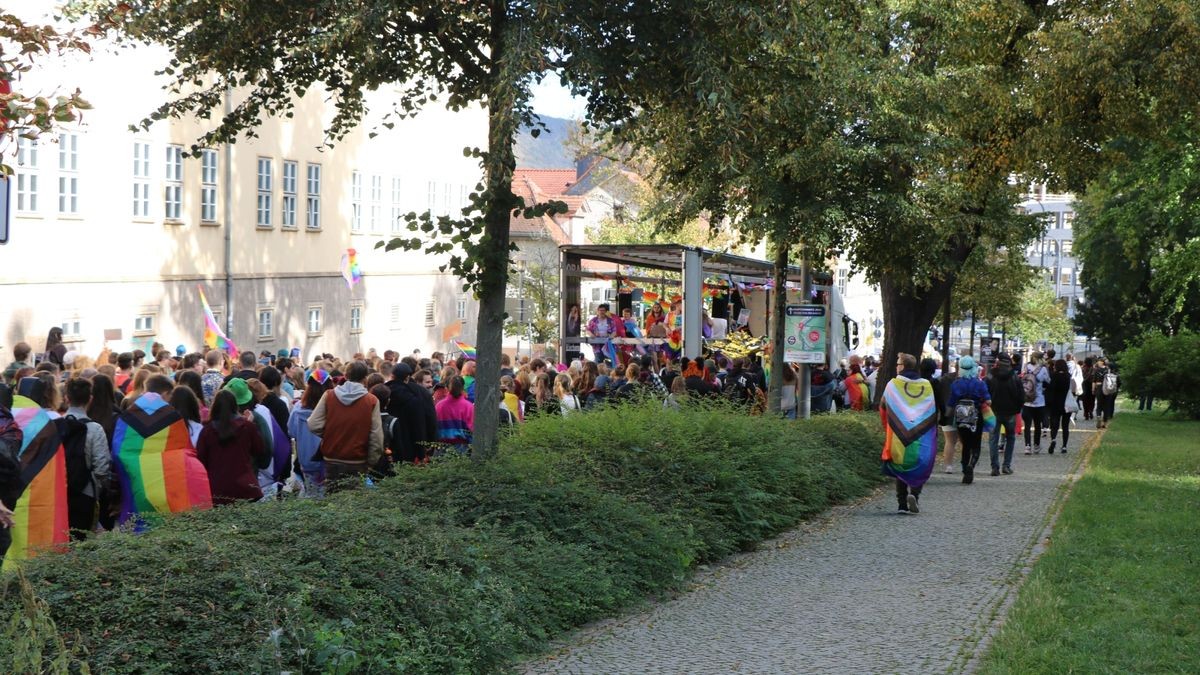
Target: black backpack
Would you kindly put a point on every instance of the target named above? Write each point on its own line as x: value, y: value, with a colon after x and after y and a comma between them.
x: 73, y: 433
x: 966, y: 413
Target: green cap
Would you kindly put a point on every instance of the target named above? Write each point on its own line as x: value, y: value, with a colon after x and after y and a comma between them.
x: 240, y: 390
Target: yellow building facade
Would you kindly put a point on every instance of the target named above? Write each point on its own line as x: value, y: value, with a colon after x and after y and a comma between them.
x: 113, y: 230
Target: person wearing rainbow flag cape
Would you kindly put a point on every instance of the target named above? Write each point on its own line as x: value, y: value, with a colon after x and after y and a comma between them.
x: 909, y: 413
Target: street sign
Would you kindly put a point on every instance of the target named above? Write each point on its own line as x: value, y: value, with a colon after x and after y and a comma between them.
x: 5, y: 192
x: 805, y: 339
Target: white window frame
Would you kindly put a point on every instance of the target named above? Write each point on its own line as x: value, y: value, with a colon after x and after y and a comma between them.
x: 209, y: 170
x: 312, y: 202
x: 464, y: 191
x: 1065, y: 277
x: 145, y: 324
x: 267, y: 313
x: 27, y: 175
x: 218, y: 313
x: 287, y: 206
x: 68, y: 174
x: 141, y: 180
x: 263, y: 184
x: 376, y: 204
x: 460, y: 308
x: 1066, y: 247
x: 72, y: 328
x: 430, y: 312
x: 173, y: 184
x: 447, y: 192
x: 356, y: 205
x: 431, y: 197
x: 394, y: 317
x: 356, y: 317
x: 315, y: 327
x: 1068, y: 220
x: 397, y: 205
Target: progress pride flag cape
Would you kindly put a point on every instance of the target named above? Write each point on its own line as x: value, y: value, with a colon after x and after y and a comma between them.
x: 910, y: 427
x: 156, y: 463
x: 40, y: 514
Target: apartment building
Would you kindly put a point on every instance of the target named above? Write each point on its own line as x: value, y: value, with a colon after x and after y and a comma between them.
x: 113, y: 230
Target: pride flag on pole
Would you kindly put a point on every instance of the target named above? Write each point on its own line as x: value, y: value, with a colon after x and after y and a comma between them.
x: 467, y: 350
x: 350, y: 269
x: 214, y: 337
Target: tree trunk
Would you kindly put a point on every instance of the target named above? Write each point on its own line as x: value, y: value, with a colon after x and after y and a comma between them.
x: 906, y: 319
x: 778, y: 328
x: 498, y: 170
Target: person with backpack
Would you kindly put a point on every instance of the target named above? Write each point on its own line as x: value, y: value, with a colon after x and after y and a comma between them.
x: 969, y: 401
x: 1007, y: 394
x: 1104, y: 386
x: 1034, y: 377
x: 89, y: 464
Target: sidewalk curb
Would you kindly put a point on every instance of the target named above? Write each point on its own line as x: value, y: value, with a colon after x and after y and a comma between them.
x: 969, y: 658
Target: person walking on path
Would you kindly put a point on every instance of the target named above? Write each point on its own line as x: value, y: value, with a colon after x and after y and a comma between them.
x: 1104, y: 387
x: 348, y: 421
x: 1005, y: 391
x: 1060, y: 404
x: 971, y: 406
x: 1088, y: 398
x: 909, y: 415
x: 950, y: 439
x: 1034, y: 378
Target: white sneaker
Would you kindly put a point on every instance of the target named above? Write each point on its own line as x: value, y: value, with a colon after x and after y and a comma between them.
x: 947, y: 469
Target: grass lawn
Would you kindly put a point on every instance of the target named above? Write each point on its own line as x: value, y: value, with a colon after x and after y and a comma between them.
x: 1119, y: 588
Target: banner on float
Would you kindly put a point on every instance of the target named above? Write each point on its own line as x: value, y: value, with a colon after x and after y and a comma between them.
x: 807, y: 334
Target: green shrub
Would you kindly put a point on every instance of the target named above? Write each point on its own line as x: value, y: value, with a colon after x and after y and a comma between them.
x: 459, y: 566
x: 1164, y: 366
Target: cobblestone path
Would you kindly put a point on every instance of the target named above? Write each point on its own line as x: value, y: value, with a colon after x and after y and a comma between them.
x: 821, y: 599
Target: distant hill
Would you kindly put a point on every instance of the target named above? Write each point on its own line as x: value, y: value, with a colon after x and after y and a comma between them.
x: 548, y: 150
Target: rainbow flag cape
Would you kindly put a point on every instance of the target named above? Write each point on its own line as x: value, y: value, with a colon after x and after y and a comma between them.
x: 351, y: 272
x: 156, y: 463
x: 214, y: 337
x: 910, y: 425
x: 631, y: 330
x: 857, y: 391
x: 467, y: 350
x: 281, y: 449
x: 40, y: 514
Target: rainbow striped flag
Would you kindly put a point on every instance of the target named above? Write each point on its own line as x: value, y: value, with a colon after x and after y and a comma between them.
x: 351, y: 272
x: 989, y: 418
x: 214, y: 337
x: 40, y: 514
x: 910, y: 425
x: 156, y: 463
x: 467, y: 350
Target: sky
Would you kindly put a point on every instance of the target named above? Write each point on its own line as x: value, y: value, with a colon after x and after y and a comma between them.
x: 551, y: 98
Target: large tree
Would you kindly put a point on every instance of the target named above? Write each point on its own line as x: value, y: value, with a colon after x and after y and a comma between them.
x: 480, y: 53
x: 25, y: 113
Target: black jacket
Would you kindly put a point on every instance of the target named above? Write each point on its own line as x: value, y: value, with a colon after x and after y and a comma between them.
x: 1060, y: 387
x: 1005, y: 389
x: 416, y: 427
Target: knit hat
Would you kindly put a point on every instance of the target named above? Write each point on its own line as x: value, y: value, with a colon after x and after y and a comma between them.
x: 240, y: 390
x: 967, y: 367
x: 180, y: 350
x: 282, y: 354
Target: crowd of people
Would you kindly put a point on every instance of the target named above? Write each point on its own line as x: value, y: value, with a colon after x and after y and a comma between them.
x: 258, y: 426
x: 1027, y: 399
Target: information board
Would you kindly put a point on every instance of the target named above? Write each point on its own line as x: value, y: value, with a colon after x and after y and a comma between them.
x: 807, y: 334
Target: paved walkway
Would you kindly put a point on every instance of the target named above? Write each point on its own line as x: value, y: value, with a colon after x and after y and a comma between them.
x: 827, y: 598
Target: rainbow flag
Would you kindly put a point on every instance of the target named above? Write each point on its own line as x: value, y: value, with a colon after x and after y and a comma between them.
x: 156, y: 463
x: 631, y: 330
x: 467, y: 350
x: 351, y: 272
x: 910, y: 424
x: 214, y: 337
x: 989, y: 418
x: 649, y: 297
x: 40, y: 514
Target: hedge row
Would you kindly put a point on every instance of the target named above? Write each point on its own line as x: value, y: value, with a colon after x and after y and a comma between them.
x: 456, y: 567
